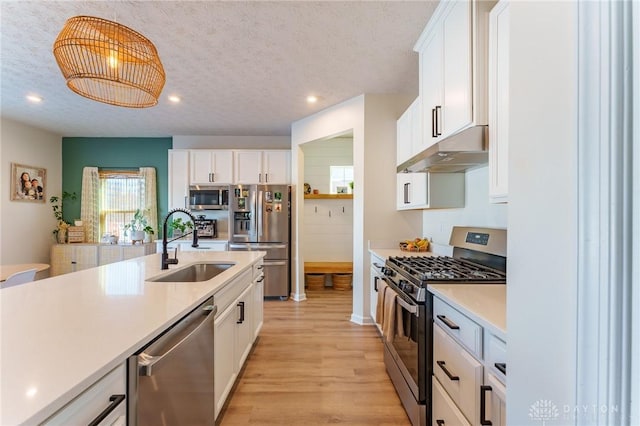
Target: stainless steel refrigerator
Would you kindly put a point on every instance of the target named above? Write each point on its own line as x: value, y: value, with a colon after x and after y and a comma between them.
x: 261, y: 220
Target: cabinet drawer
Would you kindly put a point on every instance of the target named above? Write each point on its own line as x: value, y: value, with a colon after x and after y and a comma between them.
x: 459, y: 326
x: 444, y: 410
x: 231, y: 291
x: 458, y: 372
x: 497, y: 357
x: 94, y: 401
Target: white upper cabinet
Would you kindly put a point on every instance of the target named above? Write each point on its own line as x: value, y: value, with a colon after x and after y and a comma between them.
x: 178, y: 178
x: 409, y: 133
x: 211, y: 166
x: 265, y: 167
x: 452, y: 51
x: 429, y: 190
x: 499, y: 102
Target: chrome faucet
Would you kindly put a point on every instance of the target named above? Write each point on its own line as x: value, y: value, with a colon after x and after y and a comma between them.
x: 165, y: 255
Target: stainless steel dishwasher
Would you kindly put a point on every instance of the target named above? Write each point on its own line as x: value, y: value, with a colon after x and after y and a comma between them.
x: 171, y: 379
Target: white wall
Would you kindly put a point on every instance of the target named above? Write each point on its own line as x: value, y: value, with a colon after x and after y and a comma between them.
x: 231, y: 142
x: 542, y: 290
x: 319, y: 156
x: 371, y: 119
x: 328, y: 225
x: 328, y: 230
x: 25, y: 227
x: 477, y: 211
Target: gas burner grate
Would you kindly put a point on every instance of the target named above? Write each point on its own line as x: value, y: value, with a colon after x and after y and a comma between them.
x: 444, y: 268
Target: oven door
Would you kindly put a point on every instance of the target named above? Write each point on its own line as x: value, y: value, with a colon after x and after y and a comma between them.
x: 410, y: 343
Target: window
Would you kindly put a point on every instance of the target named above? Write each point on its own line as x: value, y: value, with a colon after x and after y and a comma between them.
x: 341, y: 179
x: 121, y: 194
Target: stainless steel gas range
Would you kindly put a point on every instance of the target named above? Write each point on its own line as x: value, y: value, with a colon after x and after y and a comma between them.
x: 479, y: 257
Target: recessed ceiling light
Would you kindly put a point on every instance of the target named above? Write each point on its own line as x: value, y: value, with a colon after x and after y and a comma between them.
x: 312, y: 99
x: 34, y: 98
x: 175, y: 99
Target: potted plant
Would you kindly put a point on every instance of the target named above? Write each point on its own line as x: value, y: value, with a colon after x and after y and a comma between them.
x: 178, y: 227
x: 139, y: 226
x: 60, y: 233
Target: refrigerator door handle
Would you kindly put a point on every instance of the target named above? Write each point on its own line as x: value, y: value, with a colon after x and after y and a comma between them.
x: 260, y: 222
x: 275, y: 263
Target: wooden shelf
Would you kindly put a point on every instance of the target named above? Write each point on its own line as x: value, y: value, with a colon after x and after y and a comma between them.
x: 329, y: 196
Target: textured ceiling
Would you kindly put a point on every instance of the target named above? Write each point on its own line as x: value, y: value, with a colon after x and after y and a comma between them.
x: 240, y: 67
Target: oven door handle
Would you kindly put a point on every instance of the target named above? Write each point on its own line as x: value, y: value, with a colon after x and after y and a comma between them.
x: 413, y: 309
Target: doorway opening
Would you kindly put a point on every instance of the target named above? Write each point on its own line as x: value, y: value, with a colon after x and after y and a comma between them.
x: 328, y: 215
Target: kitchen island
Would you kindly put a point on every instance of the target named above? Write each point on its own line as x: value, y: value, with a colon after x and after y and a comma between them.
x: 62, y: 334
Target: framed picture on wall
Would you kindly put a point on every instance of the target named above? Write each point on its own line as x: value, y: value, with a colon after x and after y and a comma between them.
x: 28, y: 183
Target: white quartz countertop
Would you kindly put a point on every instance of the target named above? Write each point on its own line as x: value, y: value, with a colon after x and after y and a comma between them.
x: 61, y: 334
x: 486, y: 304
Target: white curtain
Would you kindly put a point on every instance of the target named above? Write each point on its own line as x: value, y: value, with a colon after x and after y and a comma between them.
x: 90, y: 204
x: 150, y: 203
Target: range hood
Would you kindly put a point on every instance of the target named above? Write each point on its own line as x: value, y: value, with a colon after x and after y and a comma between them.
x: 462, y: 151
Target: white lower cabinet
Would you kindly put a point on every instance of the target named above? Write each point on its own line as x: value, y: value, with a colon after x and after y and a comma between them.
x: 495, y: 401
x: 458, y: 372
x: 376, y: 276
x: 225, y: 365
x: 444, y: 411
x: 67, y: 258
x: 235, y: 332
x: 106, y: 398
x: 469, y: 370
x: 258, y: 298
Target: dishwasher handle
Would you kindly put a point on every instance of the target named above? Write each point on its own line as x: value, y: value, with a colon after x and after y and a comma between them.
x: 147, y: 362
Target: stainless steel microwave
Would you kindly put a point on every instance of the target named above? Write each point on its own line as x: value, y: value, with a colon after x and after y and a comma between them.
x: 208, y: 197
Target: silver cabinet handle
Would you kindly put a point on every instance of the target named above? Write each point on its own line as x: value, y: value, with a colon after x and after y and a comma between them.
x: 438, y: 120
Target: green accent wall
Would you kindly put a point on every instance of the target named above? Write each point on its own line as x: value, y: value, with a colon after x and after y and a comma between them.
x: 113, y: 153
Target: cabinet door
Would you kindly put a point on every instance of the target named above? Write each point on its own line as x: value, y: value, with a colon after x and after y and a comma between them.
x: 276, y: 167
x: 496, y: 406
x: 224, y: 361
x: 201, y: 166
x: 62, y: 258
x: 404, y: 149
x: 258, y: 306
x: 86, y: 257
x: 110, y: 254
x: 499, y: 102
x: 244, y: 323
x: 411, y: 191
x: 431, y: 82
x: 222, y: 167
x: 247, y: 167
x: 178, y: 182
x: 456, y: 32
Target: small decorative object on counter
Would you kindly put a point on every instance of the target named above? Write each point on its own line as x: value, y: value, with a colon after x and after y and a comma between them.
x: 417, y: 244
x: 307, y: 188
x: 75, y: 234
x: 139, y: 227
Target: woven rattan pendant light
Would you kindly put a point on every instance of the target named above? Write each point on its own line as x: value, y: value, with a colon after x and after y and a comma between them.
x: 108, y: 62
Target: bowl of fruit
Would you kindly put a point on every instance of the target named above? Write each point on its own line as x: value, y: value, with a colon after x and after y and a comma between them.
x: 417, y: 244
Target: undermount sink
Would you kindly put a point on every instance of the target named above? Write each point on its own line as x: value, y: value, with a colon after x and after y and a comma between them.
x: 194, y: 273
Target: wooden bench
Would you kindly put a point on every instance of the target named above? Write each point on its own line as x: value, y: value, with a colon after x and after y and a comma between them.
x: 328, y: 267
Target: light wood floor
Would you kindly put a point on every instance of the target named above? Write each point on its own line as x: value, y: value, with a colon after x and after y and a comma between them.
x: 312, y: 366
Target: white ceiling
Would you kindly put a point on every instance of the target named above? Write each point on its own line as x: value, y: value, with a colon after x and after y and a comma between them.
x: 240, y: 67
